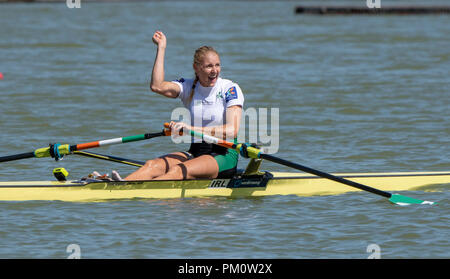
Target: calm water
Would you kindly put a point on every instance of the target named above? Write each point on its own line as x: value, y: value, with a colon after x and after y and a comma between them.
x: 355, y: 94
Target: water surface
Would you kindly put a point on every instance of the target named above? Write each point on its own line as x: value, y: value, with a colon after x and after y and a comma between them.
x: 355, y: 94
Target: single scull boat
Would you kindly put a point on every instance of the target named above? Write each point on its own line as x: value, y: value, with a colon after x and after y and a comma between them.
x: 250, y: 182
x: 243, y: 185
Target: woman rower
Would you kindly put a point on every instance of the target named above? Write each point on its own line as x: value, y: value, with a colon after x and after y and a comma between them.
x: 215, y: 106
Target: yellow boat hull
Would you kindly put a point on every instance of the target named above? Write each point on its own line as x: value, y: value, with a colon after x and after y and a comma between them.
x: 276, y: 183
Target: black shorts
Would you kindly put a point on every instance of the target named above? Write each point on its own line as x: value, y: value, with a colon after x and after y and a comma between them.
x: 227, y: 159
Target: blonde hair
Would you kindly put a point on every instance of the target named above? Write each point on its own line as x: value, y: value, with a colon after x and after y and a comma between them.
x: 198, y: 56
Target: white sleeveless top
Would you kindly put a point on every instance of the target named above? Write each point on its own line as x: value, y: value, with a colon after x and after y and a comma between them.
x: 209, y: 104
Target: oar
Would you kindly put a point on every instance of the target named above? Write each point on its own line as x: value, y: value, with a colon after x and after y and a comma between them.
x: 256, y: 153
x: 57, y: 151
x: 110, y: 158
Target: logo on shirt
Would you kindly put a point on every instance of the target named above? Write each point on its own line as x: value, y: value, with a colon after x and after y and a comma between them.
x: 231, y: 94
x: 181, y: 80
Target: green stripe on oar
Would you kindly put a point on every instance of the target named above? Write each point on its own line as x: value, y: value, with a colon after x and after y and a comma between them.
x: 134, y: 138
x: 256, y: 153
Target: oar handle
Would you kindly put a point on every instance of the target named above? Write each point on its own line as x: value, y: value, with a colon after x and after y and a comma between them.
x: 168, y: 131
x: 253, y: 152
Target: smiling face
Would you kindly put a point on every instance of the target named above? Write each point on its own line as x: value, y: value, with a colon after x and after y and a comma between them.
x: 207, y: 67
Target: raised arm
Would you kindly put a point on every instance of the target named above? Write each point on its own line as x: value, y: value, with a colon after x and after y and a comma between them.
x: 157, y: 83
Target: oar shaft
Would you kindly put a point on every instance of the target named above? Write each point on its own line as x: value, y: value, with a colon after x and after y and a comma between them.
x: 256, y: 153
x: 324, y: 175
x: 66, y: 149
x: 17, y: 157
